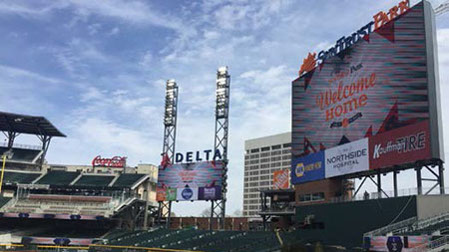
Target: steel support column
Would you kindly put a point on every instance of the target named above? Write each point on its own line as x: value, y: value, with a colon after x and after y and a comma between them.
x: 45, y: 144
x: 11, y: 137
x: 441, y: 177
x: 218, y: 207
x: 379, y: 185
x: 419, y: 180
x: 168, y: 147
x: 395, y: 183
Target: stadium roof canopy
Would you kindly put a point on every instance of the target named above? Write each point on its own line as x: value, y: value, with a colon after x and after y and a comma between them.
x: 35, y: 125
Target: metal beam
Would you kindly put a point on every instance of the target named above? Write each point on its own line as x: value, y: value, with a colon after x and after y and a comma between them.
x: 379, y: 185
x: 169, y: 143
x: 218, y: 207
x: 441, y: 177
x: 395, y: 183
x: 360, y: 187
x: 379, y: 188
x: 419, y: 180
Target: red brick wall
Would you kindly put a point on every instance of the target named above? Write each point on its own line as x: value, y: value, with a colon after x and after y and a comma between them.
x: 330, y: 187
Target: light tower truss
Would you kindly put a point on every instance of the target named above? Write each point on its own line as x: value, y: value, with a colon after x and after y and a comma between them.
x: 218, y: 207
x: 168, y: 148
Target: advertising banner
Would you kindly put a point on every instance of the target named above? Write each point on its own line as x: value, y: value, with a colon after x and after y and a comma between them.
x: 161, y: 194
x: 400, y: 146
x: 347, y: 158
x: 209, y: 193
x: 171, y: 194
x: 308, y: 168
x: 396, y: 243
x: 281, y: 179
x: 377, y: 82
x: 59, y: 241
x: 174, y: 179
x: 187, y: 194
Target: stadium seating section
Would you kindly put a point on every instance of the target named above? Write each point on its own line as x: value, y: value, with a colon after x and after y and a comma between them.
x: 59, y: 178
x: 22, y: 155
x: 19, y: 177
x: 127, y: 180
x: 65, y: 178
x: 202, y: 240
x: 94, y: 180
x: 62, y: 204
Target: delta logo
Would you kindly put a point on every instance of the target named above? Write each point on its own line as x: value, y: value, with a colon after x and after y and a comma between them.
x: 299, y: 171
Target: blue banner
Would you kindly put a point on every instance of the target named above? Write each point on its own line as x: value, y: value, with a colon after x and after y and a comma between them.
x: 308, y: 168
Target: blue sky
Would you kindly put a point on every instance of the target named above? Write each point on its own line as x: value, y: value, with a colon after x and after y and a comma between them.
x: 97, y: 70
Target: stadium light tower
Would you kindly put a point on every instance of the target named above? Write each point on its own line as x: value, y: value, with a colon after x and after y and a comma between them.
x: 168, y: 148
x: 218, y: 207
x: 171, y: 109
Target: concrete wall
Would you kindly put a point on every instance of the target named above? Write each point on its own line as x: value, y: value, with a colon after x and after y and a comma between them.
x: 345, y: 223
x: 432, y: 205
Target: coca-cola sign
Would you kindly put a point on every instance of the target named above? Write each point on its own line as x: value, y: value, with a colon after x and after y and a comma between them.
x: 115, y: 162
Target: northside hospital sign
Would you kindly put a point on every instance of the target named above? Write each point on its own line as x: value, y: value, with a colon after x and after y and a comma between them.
x: 371, y: 101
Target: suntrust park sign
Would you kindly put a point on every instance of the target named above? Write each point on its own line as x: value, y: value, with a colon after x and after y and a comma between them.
x: 345, y: 42
x: 348, y: 158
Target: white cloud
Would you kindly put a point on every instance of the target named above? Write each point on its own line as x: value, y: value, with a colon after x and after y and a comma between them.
x: 13, y: 72
x: 93, y: 28
x: 32, y: 10
x: 92, y: 94
x: 114, y: 31
x: 146, y: 60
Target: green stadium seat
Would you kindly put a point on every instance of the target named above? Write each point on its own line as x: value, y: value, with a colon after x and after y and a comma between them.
x: 22, y: 155
x: 127, y: 180
x: 19, y: 177
x: 94, y: 180
x: 200, y: 240
x: 58, y: 178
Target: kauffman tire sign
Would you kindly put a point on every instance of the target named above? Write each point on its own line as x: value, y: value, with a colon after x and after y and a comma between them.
x: 347, y: 158
x: 400, y: 146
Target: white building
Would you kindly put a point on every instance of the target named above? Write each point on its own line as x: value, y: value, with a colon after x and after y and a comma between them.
x: 263, y: 156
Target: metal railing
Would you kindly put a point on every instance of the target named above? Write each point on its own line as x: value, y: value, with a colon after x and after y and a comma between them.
x: 431, y: 221
x: 390, y: 194
x: 409, y: 225
x: 23, y: 146
x: 392, y: 227
x: 435, y: 244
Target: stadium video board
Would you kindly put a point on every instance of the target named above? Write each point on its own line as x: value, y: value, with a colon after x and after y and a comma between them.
x: 372, y: 104
x: 190, y: 181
